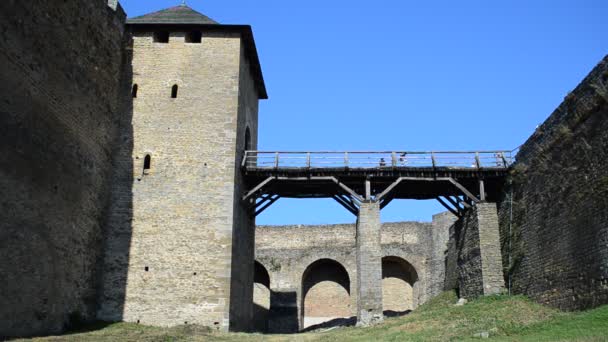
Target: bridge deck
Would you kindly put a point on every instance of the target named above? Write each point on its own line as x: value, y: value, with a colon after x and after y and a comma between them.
x: 421, y: 175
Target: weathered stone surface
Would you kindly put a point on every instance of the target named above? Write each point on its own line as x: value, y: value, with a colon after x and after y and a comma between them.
x: 287, y: 252
x: 473, y: 259
x: 554, y: 217
x: 369, y: 265
x: 180, y: 248
x: 61, y: 70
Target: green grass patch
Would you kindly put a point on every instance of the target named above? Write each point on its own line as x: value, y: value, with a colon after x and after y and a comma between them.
x: 502, y: 318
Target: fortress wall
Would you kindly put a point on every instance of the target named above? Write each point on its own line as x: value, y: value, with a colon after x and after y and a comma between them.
x: 554, y: 216
x: 60, y: 66
x: 287, y: 252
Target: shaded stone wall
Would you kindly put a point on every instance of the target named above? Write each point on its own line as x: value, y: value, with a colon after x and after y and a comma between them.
x: 183, y: 252
x: 287, y: 251
x: 473, y: 259
x: 61, y: 71
x: 554, y: 216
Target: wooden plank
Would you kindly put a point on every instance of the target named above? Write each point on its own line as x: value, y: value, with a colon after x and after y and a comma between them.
x: 445, y: 205
x: 390, y: 187
x: 386, y: 202
x: 258, y: 187
x: 259, y: 211
x: 353, y: 210
x: 463, y: 189
x: 482, y: 191
x: 368, y: 189
x: 454, y: 203
x: 464, y: 203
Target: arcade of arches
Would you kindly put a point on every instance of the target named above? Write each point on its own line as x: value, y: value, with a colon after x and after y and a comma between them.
x: 325, y: 292
x: 306, y: 276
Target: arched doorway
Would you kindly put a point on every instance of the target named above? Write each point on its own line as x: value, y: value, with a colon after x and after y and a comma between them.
x: 261, y: 297
x: 325, y: 293
x: 399, y: 279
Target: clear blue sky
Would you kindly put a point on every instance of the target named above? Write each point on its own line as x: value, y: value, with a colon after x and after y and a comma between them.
x: 405, y: 75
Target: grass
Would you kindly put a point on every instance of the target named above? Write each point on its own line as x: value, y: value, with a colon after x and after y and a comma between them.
x: 504, y: 318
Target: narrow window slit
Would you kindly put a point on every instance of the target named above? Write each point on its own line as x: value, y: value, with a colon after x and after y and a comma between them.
x: 134, y: 90
x: 174, y: 91
x: 147, y: 164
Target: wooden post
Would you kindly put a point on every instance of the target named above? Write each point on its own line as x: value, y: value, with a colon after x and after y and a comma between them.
x: 308, y: 160
x: 394, y: 159
x: 368, y: 189
x: 482, y: 191
x: 276, y: 160
x: 477, y: 162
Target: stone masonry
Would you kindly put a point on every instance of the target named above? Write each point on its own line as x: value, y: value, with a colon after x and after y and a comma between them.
x: 473, y: 259
x: 189, y: 237
x: 369, y: 265
x: 61, y: 66
x: 288, y: 252
x: 553, y: 216
x: 121, y: 186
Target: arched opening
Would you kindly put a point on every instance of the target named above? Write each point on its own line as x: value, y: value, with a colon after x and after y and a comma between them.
x: 399, y: 279
x: 134, y: 90
x: 247, y: 139
x: 325, y: 293
x: 147, y: 164
x: 261, y: 297
x: 174, y: 91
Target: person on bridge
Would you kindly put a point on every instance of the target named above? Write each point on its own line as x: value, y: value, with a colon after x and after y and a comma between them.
x: 382, y: 162
x: 403, y: 159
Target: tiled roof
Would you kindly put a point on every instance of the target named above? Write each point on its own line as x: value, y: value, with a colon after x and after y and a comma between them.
x: 181, y: 14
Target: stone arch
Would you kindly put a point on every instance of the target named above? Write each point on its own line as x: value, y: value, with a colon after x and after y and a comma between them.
x: 325, y: 293
x: 261, y: 297
x: 399, y: 286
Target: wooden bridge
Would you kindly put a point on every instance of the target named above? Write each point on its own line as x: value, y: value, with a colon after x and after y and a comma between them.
x: 456, y: 179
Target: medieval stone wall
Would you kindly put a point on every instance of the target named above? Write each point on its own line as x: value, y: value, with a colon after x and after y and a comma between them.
x: 297, y: 258
x: 61, y: 71
x: 554, y: 216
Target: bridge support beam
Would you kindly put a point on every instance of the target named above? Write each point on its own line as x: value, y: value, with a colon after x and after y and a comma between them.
x: 369, y: 265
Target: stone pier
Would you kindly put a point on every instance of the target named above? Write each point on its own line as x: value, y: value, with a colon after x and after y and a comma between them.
x: 369, y: 265
x: 474, y: 261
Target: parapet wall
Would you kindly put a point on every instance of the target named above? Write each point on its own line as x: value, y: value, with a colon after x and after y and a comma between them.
x: 61, y: 69
x: 554, y: 216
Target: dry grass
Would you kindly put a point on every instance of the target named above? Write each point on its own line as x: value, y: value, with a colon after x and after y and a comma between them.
x: 504, y: 318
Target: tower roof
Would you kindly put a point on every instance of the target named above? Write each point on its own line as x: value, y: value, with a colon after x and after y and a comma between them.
x: 181, y: 14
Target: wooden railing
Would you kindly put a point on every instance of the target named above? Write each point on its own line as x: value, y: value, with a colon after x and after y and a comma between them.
x: 377, y: 160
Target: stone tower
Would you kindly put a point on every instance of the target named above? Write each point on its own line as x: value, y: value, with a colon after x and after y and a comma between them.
x: 180, y: 243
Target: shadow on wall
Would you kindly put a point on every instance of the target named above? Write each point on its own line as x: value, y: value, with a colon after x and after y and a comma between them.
x: 399, y: 285
x: 118, y: 227
x: 273, y: 311
x: 59, y: 121
x: 325, y: 293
